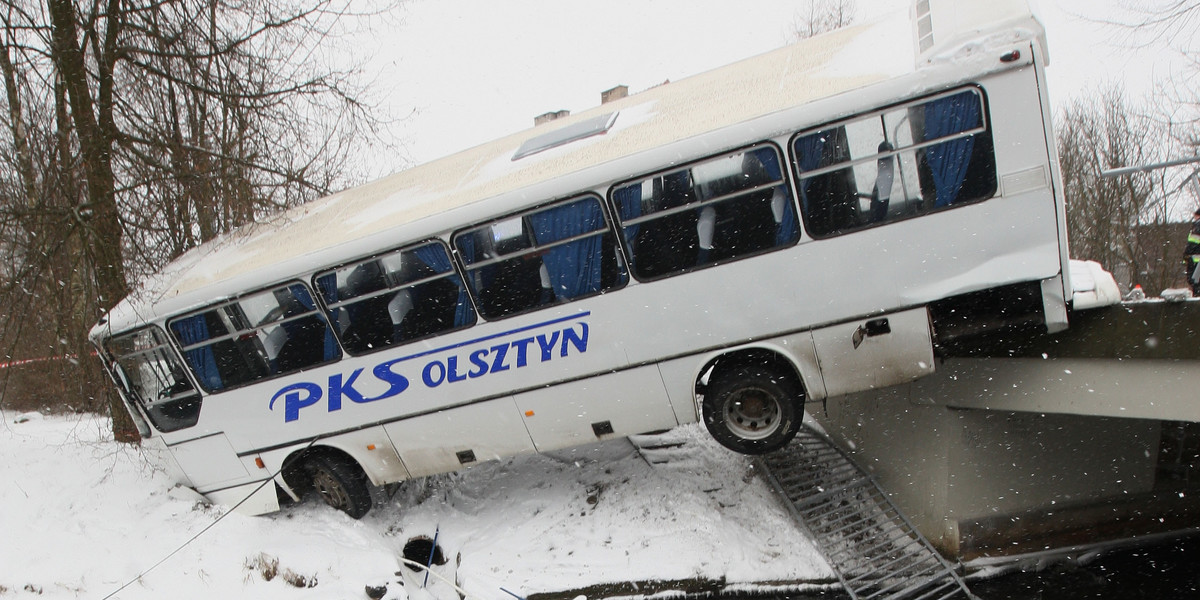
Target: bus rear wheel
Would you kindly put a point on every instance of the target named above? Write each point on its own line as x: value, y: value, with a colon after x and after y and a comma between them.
x: 340, y: 484
x: 752, y: 409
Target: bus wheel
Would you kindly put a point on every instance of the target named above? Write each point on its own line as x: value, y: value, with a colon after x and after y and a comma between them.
x: 340, y: 484
x: 752, y: 409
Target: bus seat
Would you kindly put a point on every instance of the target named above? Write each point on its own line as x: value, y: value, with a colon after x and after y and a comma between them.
x: 516, y: 285
x: 370, y: 323
x: 432, y: 310
x: 304, y: 347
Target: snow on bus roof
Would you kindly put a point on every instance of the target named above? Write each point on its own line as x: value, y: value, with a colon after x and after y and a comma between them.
x: 405, y: 206
x: 668, y: 113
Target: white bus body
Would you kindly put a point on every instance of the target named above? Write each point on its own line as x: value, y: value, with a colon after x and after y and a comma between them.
x: 716, y: 248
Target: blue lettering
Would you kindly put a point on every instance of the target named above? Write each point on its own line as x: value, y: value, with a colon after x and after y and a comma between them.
x: 547, y: 346
x: 295, y: 397
x: 337, y: 389
x: 427, y: 374
x: 396, y: 382
x: 521, y: 345
x: 481, y: 366
x: 579, y: 341
x: 341, y: 386
x: 498, y: 362
x: 452, y: 375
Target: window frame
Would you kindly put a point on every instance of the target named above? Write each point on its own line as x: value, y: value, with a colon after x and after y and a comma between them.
x: 785, y: 179
x: 800, y: 176
x: 239, y: 334
x: 608, y: 228
x: 454, y: 271
x: 150, y: 407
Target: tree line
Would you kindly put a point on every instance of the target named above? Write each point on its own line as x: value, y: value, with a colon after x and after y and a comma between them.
x: 137, y: 129
x: 1135, y: 225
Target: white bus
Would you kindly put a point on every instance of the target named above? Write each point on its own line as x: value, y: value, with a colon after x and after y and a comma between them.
x: 788, y: 229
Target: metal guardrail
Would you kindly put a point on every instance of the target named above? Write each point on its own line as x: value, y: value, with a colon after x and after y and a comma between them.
x: 875, y: 551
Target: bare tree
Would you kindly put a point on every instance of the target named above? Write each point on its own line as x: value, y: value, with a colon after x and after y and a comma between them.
x: 1119, y: 222
x: 1173, y: 23
x: 140, y: 128
x: 819, y: 16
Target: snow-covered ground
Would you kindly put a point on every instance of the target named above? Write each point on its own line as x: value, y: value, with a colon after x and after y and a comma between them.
x: 81, y: 516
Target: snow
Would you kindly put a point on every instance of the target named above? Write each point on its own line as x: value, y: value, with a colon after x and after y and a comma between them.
x: 84, y: 515
x: 1092, y: 285
x: 881, y: 34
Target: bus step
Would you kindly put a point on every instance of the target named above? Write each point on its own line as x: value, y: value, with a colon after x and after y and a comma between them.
x: 872, y: 547
x: 668, y: 447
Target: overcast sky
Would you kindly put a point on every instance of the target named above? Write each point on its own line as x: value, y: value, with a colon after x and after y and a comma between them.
x: 468, y: 71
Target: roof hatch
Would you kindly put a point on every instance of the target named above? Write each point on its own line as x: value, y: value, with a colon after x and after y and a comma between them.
x: 566, y: 135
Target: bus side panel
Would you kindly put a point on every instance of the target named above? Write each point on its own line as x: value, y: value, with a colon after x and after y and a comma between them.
x: 374, y: 452
x: 450, y: 439
x: 1056, y: 181
x: 617, y: 404
x: 250, y: 499
x: 210, y: 462
x: 680, y: 375
x: 157, y: 452
x: 1031, y: 168
x: 370, y: 448
x: 875, y: 353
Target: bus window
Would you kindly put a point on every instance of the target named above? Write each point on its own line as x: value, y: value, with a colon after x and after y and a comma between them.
x: 260, y: 335
x: 154, y: 378
x: 903, y: 162
x: 717, y: 210
x: 399, y: 297
x: 554, y: 254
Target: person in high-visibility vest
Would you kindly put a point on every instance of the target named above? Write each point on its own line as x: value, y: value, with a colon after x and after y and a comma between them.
x: 1191, y: 255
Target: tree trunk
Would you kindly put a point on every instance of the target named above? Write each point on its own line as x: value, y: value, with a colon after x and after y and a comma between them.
x: 98, y: 221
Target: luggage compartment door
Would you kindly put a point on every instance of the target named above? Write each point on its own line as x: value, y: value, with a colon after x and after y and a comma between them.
x: 597, y: 408
x: 875, y: 352
x: 451, y: 439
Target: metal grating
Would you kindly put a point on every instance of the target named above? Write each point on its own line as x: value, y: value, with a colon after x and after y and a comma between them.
x: 875, y: 551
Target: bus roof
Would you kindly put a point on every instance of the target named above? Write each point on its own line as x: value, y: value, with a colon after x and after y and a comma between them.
x: 413, y: 204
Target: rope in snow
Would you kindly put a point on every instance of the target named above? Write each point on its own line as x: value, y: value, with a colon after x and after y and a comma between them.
x: 195, y: 537
x: 428, y: 571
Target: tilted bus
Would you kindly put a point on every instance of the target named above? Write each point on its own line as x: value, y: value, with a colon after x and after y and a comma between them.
x: 725, y: 248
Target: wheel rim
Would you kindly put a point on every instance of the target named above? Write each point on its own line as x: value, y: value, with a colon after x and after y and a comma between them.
x: 331, y: 490
x: 752, y: 413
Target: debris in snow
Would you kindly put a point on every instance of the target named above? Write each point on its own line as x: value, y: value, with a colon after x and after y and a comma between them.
x: 27, y: 417
x: 1175, y: 294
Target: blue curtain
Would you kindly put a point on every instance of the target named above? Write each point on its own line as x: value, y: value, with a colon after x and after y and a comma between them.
x: 301, y: 294
x: 789, y: 227
x: 466, y: 247
x: 194, y: 330
x: 327, y: 284
x: 809, y: 150
x: 629, y: 204
x: 948, y: 161
x: 574, y: 268
x: 470, y: 255
x: 435, y: 256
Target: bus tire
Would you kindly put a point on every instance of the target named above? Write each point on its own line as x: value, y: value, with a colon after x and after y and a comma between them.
x: 752, y: 409
x: 340, y: 483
